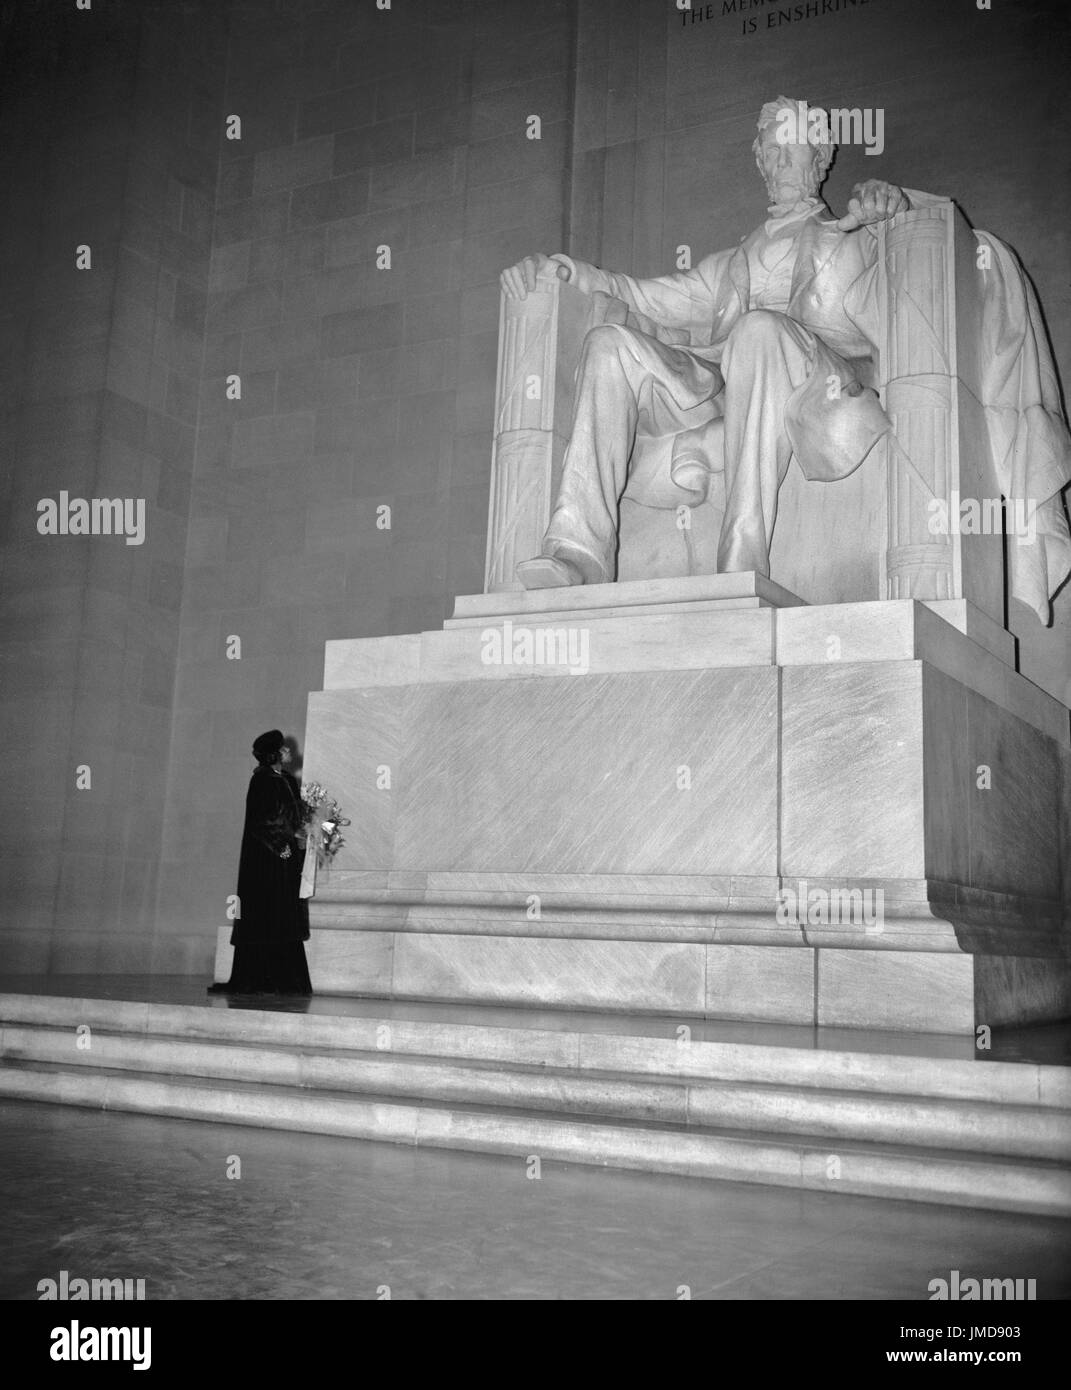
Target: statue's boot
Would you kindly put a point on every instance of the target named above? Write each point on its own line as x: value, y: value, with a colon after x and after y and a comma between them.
x: 692, y: 477
x: 697, y: 455
x: 559, y: 567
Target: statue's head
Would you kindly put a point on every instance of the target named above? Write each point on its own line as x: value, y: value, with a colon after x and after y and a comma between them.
x: 793, y: 150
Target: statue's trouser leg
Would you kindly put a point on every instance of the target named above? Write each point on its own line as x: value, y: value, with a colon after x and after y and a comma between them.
x: 767, y: 356
x: 627, y: 382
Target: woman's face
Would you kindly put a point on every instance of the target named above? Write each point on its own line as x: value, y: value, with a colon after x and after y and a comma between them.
x: 284, y: 755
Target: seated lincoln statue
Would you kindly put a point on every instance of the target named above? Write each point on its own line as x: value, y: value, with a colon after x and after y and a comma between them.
x: 767, y: 345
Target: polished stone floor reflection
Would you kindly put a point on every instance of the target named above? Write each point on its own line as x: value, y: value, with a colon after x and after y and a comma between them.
x: 131, y: 1196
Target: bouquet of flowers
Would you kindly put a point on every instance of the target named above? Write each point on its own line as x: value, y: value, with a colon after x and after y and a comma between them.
x: 324, y: 821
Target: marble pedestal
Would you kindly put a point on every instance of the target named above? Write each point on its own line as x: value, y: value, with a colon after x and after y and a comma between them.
x: 698, y: 797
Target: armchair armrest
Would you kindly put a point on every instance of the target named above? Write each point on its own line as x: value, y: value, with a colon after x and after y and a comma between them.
x: 928, y: 304
x: 539, y: 342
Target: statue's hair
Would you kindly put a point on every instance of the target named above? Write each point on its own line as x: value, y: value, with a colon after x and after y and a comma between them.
x: 773, y: 112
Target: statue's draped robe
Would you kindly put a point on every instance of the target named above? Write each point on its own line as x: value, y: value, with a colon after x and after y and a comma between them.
x: 833, y: 296
x: 1028, y: 435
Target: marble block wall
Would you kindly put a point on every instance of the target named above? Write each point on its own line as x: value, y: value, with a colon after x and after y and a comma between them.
x: 108, y: 142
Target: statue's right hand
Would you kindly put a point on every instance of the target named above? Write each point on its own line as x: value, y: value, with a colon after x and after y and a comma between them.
x: 520, y: 278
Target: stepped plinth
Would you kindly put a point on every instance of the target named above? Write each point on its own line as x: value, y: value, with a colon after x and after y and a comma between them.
x: 699, y: 797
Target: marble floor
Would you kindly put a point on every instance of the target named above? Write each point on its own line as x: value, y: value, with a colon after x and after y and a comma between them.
x: 143, y: 1197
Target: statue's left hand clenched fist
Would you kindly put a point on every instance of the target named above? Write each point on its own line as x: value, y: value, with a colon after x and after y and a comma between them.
x: 873, y: 201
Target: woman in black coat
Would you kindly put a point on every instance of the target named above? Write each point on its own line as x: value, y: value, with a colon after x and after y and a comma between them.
x: 273, y: 922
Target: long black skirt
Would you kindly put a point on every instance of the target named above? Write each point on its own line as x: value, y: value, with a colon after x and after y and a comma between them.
x: 269, y: 968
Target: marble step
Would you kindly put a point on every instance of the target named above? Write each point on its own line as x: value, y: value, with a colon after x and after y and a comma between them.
x: 865, y: 1169
x: 572, y: 1041
x: 821, y: 1113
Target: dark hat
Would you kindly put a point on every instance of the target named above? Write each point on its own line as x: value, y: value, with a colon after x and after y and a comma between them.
x: 268, y: 744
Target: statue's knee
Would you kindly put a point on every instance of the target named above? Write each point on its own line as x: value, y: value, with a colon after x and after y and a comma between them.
x: 604, y: 341
x: 759, y: 325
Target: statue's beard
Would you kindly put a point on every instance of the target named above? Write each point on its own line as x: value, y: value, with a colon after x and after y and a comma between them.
x: 786, y: 193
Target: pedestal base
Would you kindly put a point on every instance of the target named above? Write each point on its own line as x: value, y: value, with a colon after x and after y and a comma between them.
x: 849, y: 815
x: 907, y: 990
